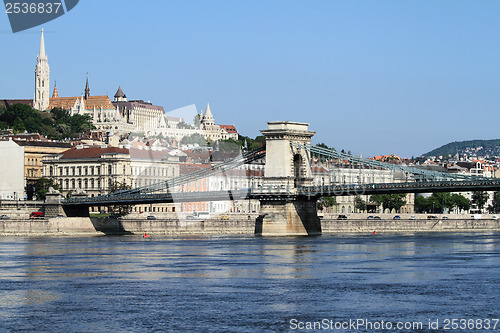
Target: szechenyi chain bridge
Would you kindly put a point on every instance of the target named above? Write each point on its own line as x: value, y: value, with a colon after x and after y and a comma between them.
x: 287, y: 195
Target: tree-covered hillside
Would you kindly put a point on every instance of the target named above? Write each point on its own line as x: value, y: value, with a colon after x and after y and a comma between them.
x: 471, y: 148
x: 56, y: 124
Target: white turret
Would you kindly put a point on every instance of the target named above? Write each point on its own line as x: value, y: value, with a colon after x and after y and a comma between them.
x: 41, y: 100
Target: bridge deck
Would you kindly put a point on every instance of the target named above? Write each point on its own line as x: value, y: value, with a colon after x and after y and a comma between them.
x: 272, y: 193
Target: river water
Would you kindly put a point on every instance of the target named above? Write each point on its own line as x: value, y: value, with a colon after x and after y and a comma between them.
x: 251, y: 284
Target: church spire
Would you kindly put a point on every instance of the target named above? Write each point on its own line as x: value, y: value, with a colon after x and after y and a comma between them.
x: 87, y: 89
x: 42, y: 46
x: 42, y: 92
x: 55, y: 94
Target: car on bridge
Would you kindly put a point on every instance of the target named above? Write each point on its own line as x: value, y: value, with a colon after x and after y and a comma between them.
x: 35, y: 215
x: 397, y: 217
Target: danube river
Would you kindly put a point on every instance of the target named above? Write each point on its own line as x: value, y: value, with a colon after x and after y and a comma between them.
x: 441, y: 282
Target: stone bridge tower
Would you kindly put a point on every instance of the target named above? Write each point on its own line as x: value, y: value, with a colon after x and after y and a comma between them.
x: 284, y: 213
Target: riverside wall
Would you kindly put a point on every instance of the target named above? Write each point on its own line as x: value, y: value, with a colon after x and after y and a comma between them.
x: 236, y: 224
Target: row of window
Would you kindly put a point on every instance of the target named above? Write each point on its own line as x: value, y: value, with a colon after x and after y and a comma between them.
x: 153, y: 171
x: 33, y: 173
x: 71, y: 184
x: 96, y: 170
x: 82, y: 171
x: 32, y: 161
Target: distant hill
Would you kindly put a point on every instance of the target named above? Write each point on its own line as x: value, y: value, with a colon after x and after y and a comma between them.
x: 471, y: 148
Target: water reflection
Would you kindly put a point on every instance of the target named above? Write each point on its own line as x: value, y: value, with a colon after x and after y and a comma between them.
x: 242, y: 283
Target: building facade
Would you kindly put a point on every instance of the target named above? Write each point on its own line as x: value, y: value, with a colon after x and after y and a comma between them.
x: 99, y: 170
x: 12, y: 182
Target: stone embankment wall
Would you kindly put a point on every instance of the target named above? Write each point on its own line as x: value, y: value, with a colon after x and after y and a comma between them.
x: 237, y: 224
x: 404, y: 225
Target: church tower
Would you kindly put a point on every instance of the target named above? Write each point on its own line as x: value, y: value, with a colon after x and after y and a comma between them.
x: 41, y: 100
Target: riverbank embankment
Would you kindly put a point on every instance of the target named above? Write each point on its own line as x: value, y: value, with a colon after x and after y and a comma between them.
x: 232, y: 224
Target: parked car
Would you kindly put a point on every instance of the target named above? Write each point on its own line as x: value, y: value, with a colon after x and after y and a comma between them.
x: 431, y: 217
x: 36, y: 215
x: 371, y: 217
x: 59, y: 216
x: 445, y: 217
x: 4, y: 217
x: 397, y: 217
x: 224, y: 217
x: 376, y: 218
x: 342, y: 217
x: 151, y: 217
x: 494, y: 217
x: 413, y: 217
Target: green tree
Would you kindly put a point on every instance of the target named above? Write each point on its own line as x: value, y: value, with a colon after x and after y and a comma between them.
x: 479, y: 198
x: 422, y: 204
x: 42, y: 186
x: 119, y: 186
x: 495, y: 204
x: 389, y: 201
x: 184, y: 125
x: 461, y: 202
x: 227, y: 146
x: 197, y: 121
x: 326, y: 202
x: 258, y: 142
x: 359, y: 204
x: 195, y: 138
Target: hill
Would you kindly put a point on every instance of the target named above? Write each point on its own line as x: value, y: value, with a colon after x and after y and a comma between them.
x: 478, y: 148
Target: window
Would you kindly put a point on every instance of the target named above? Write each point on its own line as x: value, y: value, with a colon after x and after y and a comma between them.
x: 66, y: 184
x: 79, y: 183
x: 92, y: 183
x: 72, y: 183
x: 86, y: 183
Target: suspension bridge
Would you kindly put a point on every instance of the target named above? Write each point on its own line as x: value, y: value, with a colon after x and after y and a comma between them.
x: 287, y: 192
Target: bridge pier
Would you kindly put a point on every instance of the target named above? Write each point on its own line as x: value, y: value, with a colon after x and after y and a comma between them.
x: 288, y: 217
x: 282, y: 212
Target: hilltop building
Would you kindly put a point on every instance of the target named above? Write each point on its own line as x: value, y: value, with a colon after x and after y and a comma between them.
x: 143, y: 115
x: 215, y: 132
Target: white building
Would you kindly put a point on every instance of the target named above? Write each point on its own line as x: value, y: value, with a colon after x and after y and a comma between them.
x: 11, y: 171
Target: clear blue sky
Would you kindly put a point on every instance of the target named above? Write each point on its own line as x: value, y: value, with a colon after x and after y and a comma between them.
x: 373, y: 77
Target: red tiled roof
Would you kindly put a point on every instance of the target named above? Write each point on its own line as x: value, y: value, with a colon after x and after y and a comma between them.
x: 186, y: 168
x: 91, y: 102
x: 92, y: 152
x: 229, y: 128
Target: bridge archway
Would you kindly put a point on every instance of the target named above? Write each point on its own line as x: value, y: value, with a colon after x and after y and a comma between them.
x: 299, y: 171
x: 286, y: 165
